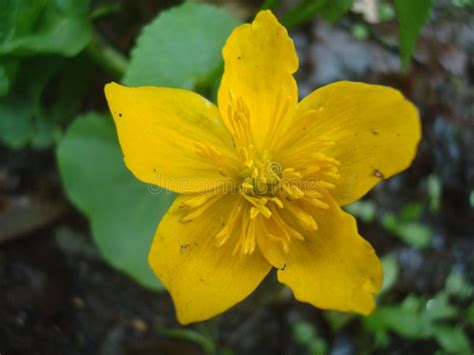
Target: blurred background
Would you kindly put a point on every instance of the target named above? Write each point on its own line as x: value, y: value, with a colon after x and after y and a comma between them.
x: 75, y: 226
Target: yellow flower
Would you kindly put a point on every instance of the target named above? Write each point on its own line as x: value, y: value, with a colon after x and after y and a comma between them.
x: 262, y: 177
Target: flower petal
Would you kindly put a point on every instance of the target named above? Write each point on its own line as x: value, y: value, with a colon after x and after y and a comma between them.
x: 271, y: 249
x: 204, y: 280
x: 260, y: 59
x: 374, y: 130
x: 160, y: 131
x: 334, y: 267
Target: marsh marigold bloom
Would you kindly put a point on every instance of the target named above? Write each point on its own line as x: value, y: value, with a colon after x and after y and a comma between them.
x: 262, y: 177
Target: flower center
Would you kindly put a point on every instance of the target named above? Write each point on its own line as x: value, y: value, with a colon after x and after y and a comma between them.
x: 276, y: 201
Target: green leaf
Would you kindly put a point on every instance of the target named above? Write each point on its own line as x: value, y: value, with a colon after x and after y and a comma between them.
x: 269, y: 4
x: 317, y: 346
x: 434, y: 189
x: 470, y: 314
x: 463, y: 3
x: 330, y: 10
x: 389, y: 222
x: 363, y: 209
x: 181, y: 47
x: 453, y: 340
x: 416, y: 234
x: 206, y: 343
x: 21, y: 116
x: 457, y: 285
x: 412, y: 15
x: 44, y: 26
x: 48, y: 91
x: 360, y: 31
x: 303, y: 332
x: 385, y: 11
x: 439, y: 308
x: 406, y: 228
x: 16, y: 124
x: 406, y: 319
x: 333, y: 10
x: 124, y: 214
x: 410, y: 212
x: 416, y: 319
x: 338, y: 320
x: 8, y: 69
x: 303, y: 12
x: 390, y: 272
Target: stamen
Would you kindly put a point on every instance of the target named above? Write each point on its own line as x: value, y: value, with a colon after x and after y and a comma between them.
x: 260, y: 204
x: 246, y: 241
x: 238, y: 117
x: 278, y: 118
x: 208, y: 152
x: 313, y: 194
x: 203, y: 208
x: 254, y: 212
x: 246, y: 155
x: 294, y: 133
x: 316, y: 203
x: 277, y: 201
x: 285, y: 227
x: 195, y: 201
x: 225, y: 233
x: 303, y: 218
x: 293, y: 191
x: 285, y: 242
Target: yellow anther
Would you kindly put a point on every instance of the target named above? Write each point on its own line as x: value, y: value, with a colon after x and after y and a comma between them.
x: 196, y: 201
x: 293, y: 191
x: 317, y: 203
x: 201, y: 209
x: 259, y: 204
x: 304, y: 219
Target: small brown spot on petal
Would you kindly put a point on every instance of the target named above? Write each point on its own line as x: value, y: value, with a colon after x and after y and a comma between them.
x: 185, y: 248
x: 378, y: 173
x: 374, y: 131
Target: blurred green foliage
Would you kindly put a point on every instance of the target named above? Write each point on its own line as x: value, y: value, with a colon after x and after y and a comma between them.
x: 35, y: 36
x: 305, y: 334
x: 180, y: 48
x: 412, y: 16
x: 420, y: 318
x: 406, y: 226
x: 330, y: 10
x: 95, y: 177
x: 48, y: 50
x: 29, y: 28
x: 99, y: 184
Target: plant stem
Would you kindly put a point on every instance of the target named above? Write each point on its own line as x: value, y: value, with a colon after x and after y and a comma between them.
x: 206, y: 344
x: 269, y: 4
x: 111, y: 60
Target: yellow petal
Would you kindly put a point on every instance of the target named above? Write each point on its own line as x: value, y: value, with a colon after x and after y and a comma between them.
x: 171, y: 137
x: 258, y: 85
x: 269, y: 242
x: 334, y: 267
x: 203, y: 279
x: 373, y: 132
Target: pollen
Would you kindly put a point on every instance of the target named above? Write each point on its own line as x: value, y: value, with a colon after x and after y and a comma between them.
x: 275, y: 201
